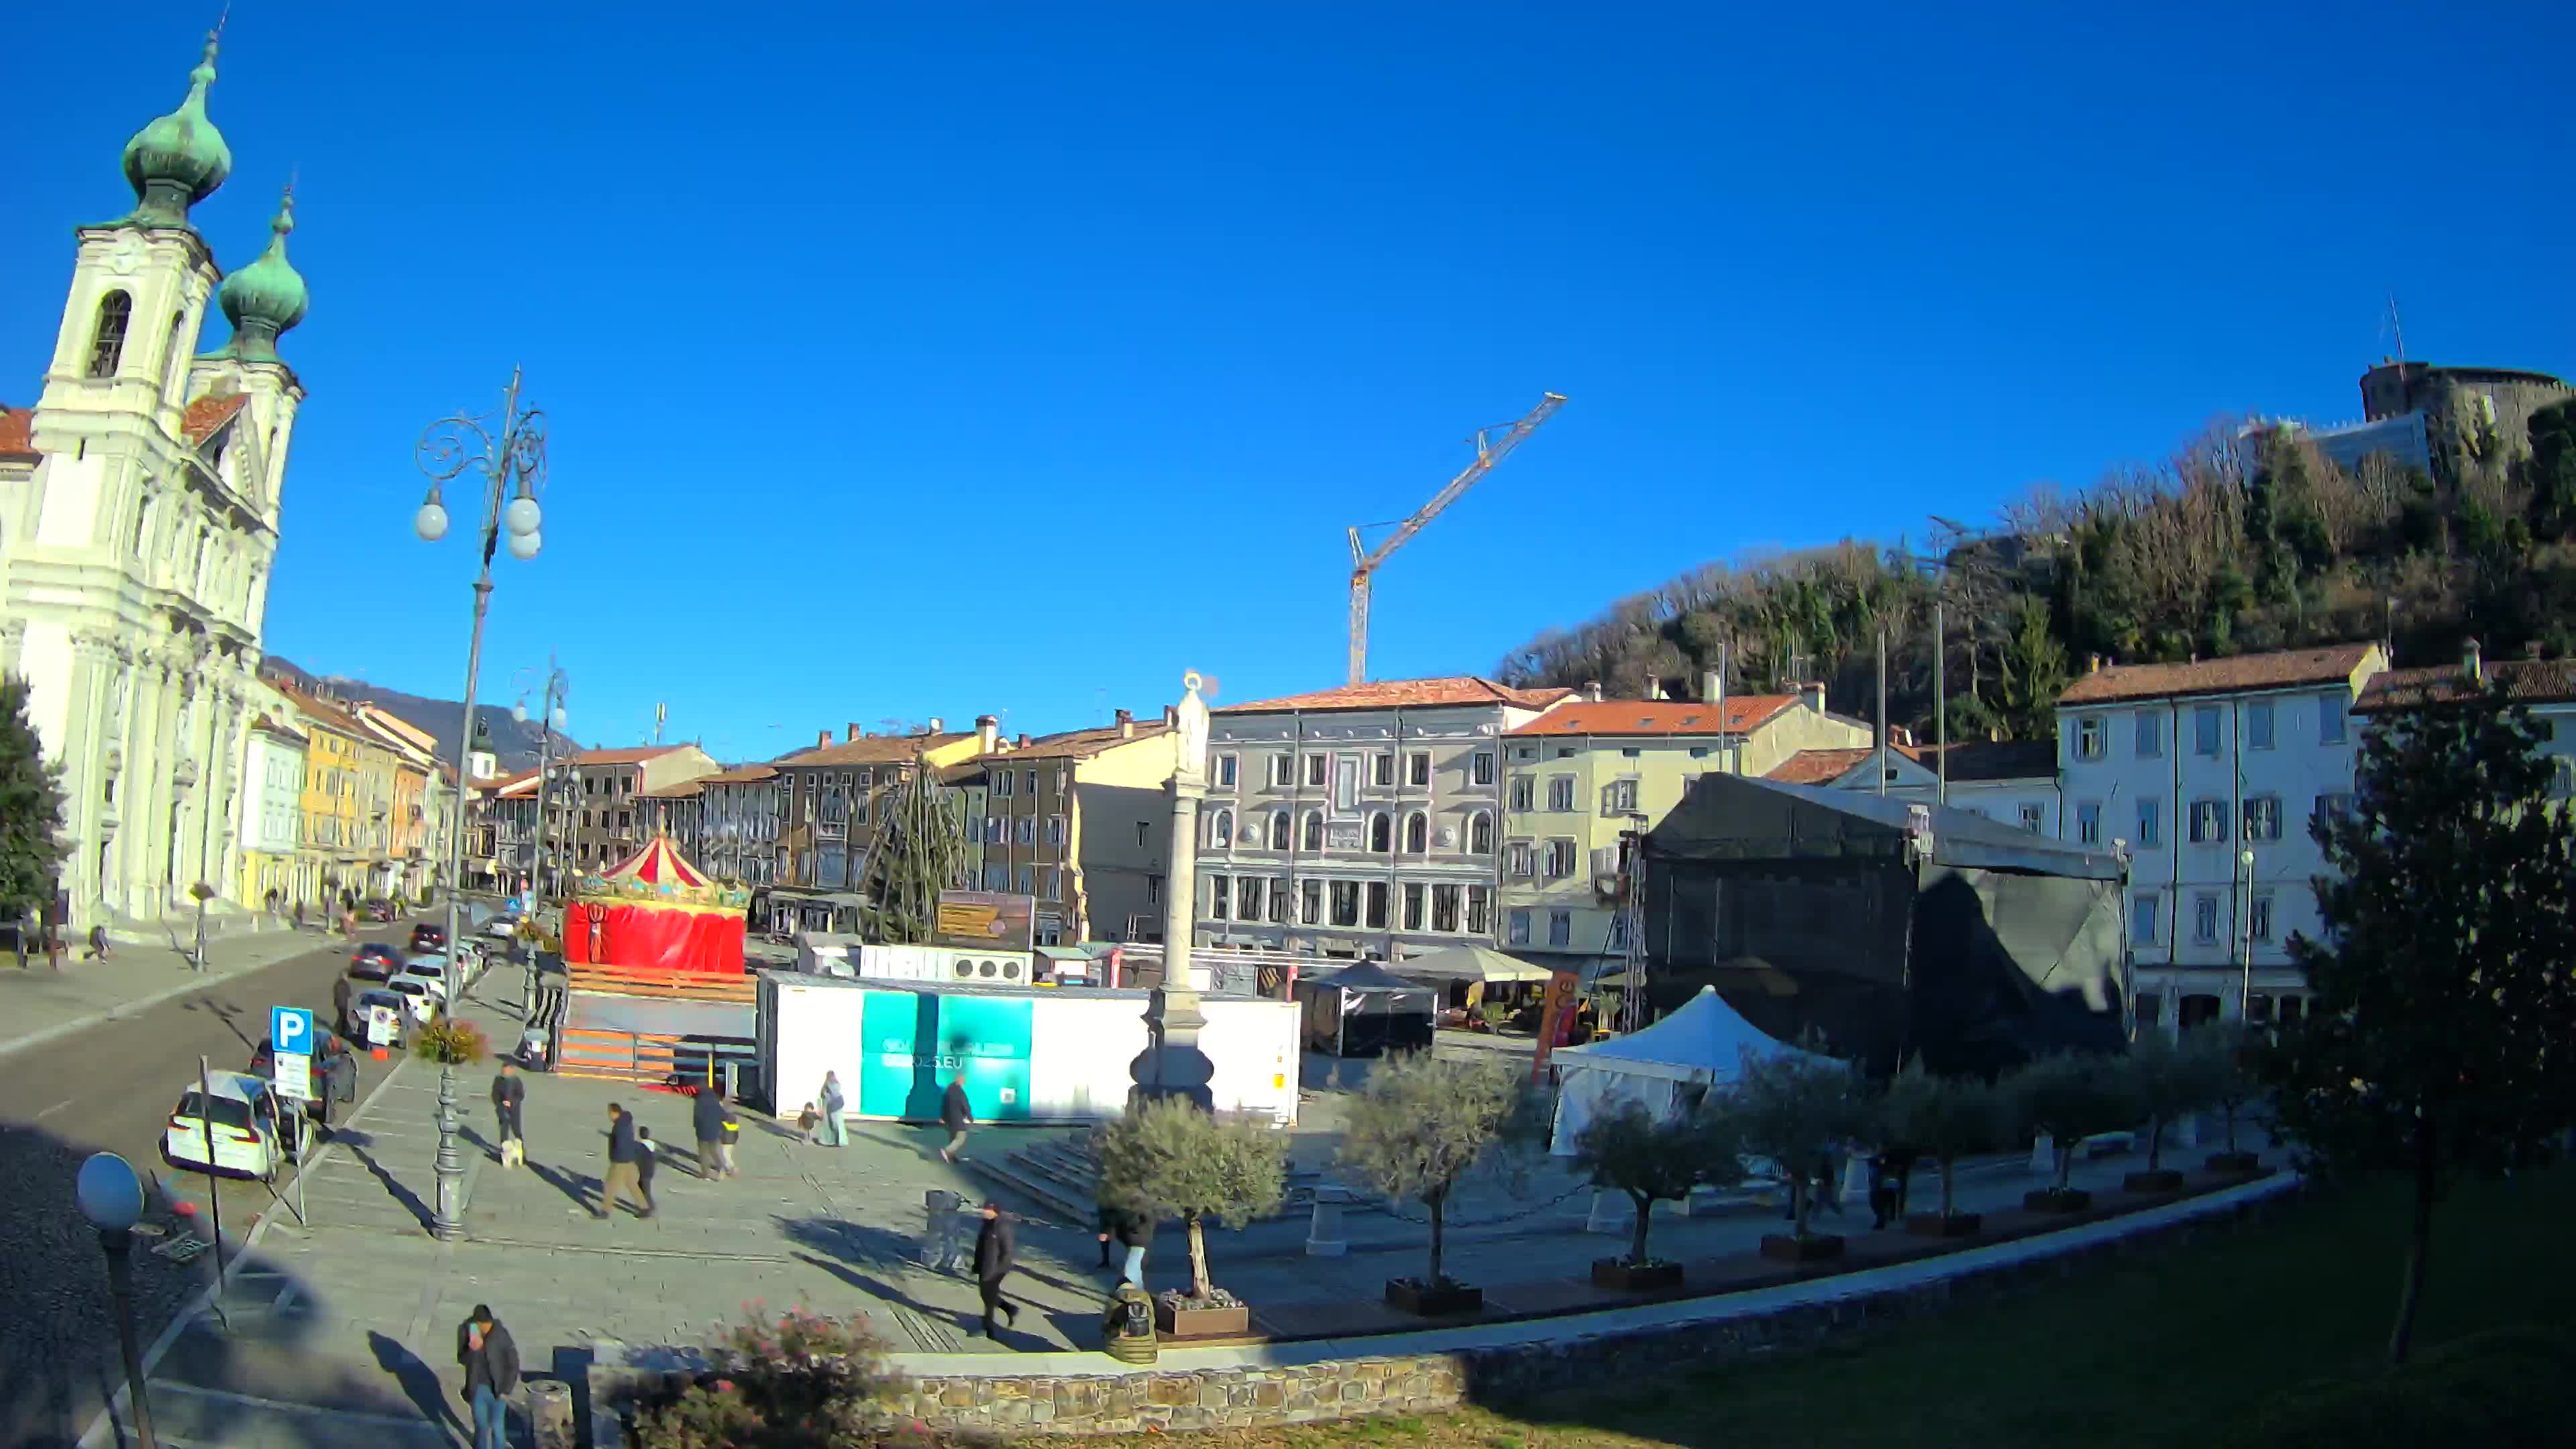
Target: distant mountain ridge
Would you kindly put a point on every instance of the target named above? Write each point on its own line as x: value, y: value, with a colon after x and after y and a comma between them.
x: 516, y: 745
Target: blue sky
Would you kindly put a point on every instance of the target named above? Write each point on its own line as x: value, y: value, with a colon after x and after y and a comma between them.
x: 934, y: 359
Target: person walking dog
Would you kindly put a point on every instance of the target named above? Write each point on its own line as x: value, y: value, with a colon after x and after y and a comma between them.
x: 509, y: 1096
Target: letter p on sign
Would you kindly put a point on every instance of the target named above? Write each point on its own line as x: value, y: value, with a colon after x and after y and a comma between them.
x: 290, y: 1031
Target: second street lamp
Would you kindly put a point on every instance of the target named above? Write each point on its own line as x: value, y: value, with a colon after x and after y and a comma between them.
x: 508, y: 452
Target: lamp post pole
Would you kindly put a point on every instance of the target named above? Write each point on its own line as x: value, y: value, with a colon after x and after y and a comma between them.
x: 508, y: 451
x: 2245, y: 941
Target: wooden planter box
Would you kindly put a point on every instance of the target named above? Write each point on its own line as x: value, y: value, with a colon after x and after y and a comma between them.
x: 2160, y: 1179
x: 1184, y: 1323
x: 1433, y: 1300
x: 1789, y: 1248
x: 2050, y: 1200
x: 2241, y: 1163
x: 1625, y: 1277
x: 1956, y: 1225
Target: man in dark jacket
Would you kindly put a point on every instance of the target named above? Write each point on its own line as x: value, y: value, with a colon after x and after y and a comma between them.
x: 623, y: 1177
x: 491, y: 1363
x: 339, y: 1076
x: 995, y: 1250
x: 509, y: 1096
x: 956, y: 1117
x: 713, y: 1124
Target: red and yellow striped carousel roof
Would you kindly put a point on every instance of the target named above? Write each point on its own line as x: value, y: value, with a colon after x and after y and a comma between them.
x: 657, y: 865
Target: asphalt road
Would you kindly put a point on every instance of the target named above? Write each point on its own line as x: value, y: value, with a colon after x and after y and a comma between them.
x: 111, y: 1088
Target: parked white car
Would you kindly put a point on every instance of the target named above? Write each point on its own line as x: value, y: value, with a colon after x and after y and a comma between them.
x: 429, y: 970
x: 239, y: 1122
x: 417, y: 994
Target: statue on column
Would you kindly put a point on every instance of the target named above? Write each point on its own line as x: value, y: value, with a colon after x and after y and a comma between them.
x: 1193, y: 712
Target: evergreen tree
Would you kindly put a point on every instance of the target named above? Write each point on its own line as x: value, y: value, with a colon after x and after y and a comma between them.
x: 919, y: 853
x: 2442, y: 1035
x: 32, y: 848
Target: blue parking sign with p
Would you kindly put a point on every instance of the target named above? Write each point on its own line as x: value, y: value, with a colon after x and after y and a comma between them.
x: 290, y: 1031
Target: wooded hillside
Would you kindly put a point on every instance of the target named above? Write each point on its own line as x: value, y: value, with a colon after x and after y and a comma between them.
x: 2239, y: 544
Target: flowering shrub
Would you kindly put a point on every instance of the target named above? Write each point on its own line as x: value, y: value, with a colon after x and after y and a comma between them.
x: 795, y: 1380
x: 450, y: 1042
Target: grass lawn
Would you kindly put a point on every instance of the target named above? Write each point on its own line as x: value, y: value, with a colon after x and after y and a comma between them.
x: 2153, y: 1351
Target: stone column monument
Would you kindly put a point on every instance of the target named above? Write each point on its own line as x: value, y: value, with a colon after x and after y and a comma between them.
x: 1172, y: 1064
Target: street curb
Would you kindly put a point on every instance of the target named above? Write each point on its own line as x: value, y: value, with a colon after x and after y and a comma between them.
x: 101, y: 1433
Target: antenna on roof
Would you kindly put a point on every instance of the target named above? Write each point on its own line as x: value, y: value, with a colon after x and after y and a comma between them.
x: 2397, y: 328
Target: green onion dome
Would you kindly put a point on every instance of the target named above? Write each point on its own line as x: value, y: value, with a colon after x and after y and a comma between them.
x: 178, y: 160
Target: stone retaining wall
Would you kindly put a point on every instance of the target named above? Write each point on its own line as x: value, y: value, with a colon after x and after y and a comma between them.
x: 1145, y: 1399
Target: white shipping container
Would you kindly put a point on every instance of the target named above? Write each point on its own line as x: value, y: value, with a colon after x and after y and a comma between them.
x: 949, y: 964
x: 1028, y: 1054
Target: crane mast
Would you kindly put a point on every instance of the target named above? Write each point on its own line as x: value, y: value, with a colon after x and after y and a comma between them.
x: 1365, y: 561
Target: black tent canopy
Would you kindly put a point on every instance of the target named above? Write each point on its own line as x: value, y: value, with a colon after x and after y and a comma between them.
x: 1891, y: 929
x: 1363, y: 1010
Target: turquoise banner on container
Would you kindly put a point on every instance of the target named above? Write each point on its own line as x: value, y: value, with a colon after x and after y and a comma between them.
x: 918, y: 1041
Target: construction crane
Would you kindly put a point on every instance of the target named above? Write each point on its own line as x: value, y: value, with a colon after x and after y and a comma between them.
x: 1364, y: 561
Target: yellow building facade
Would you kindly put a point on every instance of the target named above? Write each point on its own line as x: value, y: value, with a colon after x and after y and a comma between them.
x: 1578, y: 778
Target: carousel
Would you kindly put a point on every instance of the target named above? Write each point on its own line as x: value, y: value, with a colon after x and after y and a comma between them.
x: 656, y: 913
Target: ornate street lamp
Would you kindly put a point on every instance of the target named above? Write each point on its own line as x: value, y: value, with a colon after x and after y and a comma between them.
x: 111, y: 1197
x: 508, y: 452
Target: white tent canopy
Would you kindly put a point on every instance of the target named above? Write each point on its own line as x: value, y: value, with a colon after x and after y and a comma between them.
x: 1664, y: 1068
x: 1467, y: 963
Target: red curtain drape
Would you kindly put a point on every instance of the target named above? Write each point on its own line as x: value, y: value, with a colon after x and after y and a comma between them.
x: 648, y: 938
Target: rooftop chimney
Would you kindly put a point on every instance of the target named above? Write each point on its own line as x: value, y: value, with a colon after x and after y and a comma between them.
x: 822, y: 739
x: 1592, y: 690
x: 2471, y: 665
x: 1022, y: 743
x: 1171, y: 716
x: 933, y: 726
x: 855, y: 731
x: 1126, y: 724
x: 1711, y: 691
x: 1814, y: 691
x: 988, y: 732
x: 2531, y: 649
x: 2092, y: 663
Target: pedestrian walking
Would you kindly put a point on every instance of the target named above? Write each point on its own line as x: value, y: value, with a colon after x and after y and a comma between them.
x: 26, y: 923
x: 806, y: 1122
x: 996, y: 1250
x: 97, y: 944
x: 624, y: 1177
x: 650, y: 1157
x: 834, y: 1133
x: 1130, y: 1230
x: 339, y: 1077
x: 299, y: 915
x: 713, y: 1124
x: 955, y: 1115
x: 509, y: 1099
x: 491, y: 1364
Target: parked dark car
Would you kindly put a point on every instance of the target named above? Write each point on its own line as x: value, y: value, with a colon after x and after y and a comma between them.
x: 375, y: 961
x: 263, y: 1063
x: 426, y: 937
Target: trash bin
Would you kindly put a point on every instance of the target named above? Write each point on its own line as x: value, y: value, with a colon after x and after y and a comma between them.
x: 550, y: 1414
x: 946, y: 1244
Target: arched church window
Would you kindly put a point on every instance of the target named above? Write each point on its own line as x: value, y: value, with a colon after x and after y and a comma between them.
x: 1381, y: 832
x: 1417, y: 833
x: 107, y: 338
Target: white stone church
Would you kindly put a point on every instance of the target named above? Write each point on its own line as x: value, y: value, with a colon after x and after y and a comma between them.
x: 138, y: 524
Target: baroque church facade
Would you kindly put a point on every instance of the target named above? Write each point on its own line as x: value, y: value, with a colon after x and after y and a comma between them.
x: 139, y: 511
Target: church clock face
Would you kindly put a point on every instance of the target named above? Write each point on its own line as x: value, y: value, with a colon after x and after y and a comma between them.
x: 125, y: 256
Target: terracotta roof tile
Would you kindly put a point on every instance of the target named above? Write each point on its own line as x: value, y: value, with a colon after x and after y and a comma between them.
x: 207, y: 415
x: 2285, y: 670
x: 1407, y: 693
x: 1075, y: 744
x: 279, y: 728
x: 685, y: 790
x: 1657, y: 716
x: 1823, y: 767
x: 2531, y: 681
x: 870, y: 750
x: 743, y: 775
x: 627, y: 755
x: 17, y: 433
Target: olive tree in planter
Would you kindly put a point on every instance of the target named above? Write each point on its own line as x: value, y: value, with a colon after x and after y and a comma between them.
x: 2067, y: 1098
x: 1419, y: 1127
x: 1173, y: 1160
x: 2225, y: 1055
x: 2168, y: 1081
x: 1944, y: 1118
x: 1654, y: 1160
x: 1800, y: 1112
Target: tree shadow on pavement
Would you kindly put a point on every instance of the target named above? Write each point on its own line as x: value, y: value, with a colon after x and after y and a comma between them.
x: 356, y: 1143
x: 228, y: 1014
x: 419, y: 1382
